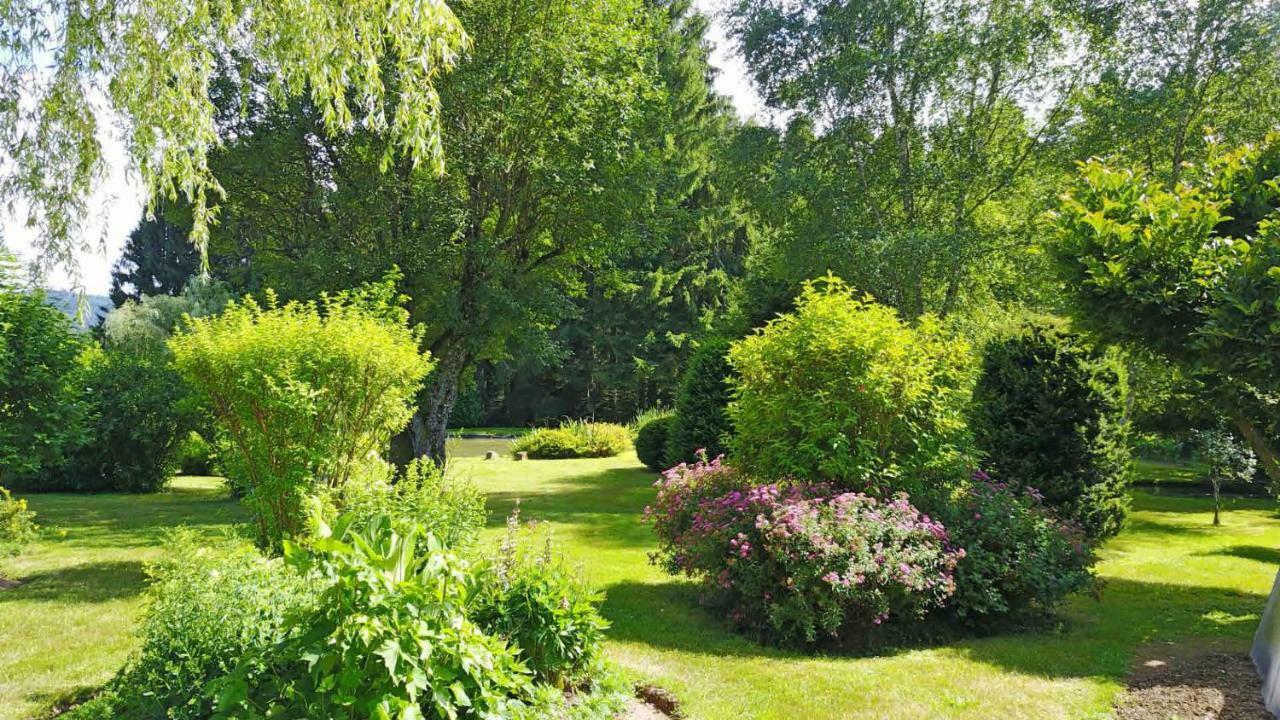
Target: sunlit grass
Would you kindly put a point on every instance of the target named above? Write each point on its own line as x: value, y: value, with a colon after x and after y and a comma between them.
x: 1171, y: 576
x: 68, y: 626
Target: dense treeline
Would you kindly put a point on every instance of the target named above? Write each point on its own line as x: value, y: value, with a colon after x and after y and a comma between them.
x: 603, y: 212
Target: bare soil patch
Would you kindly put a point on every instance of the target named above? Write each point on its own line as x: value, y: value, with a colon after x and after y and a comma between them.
x: 651, y: 703
x: 1193, y: 680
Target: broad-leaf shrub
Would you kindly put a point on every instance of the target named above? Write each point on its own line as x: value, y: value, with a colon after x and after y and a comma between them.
x: 702, y: 402
x: 17, y: 524
x: 209, y: 606
x: 798, y: 563
x: 139, y: 413
x: 40, y: 405
x: 389, y: 638
x: 574, y: 439
x: 449, y: 507
x: 538, y: 604
x: 842, y: 390
x: 1019, y: 557
x: 1049, y: 413
x: 651, y: 440
x: 303, y: 393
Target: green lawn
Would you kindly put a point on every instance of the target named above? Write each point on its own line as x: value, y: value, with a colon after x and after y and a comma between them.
x: 1170, y: 577
x: 67, y: 628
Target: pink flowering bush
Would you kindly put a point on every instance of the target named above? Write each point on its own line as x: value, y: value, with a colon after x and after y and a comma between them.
x: 1019, y: 556
x: 797, y: 562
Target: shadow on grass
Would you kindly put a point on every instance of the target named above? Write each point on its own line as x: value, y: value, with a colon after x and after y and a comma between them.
x: 618, y: 491
x: 60, y: 701
x: 120, y: 521
x: 87, y: 583
x: 1088, y: 639
x: 1268, y: 555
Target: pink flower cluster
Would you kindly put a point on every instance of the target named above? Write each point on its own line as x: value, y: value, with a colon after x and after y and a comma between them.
x: 798, y: 560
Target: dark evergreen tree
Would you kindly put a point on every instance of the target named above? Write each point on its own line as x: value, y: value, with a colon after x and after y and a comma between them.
x: 158, y: 259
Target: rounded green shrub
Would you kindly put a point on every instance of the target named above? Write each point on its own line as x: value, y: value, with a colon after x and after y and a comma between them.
x: 651, y: 440
x: 574, y: 439
x: 1048, y: 413
x: 209, y: 606
x: 302, y: 393
x: 389, y: 636
x: 549, y: 444
x: 843, y: 391
x: 139, y: 414
x: 1019, y: 558
x: 543, y: 607
x: 702, y: 401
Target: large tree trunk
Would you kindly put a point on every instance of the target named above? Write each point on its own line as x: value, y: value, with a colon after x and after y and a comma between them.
x: 1262, y: 447
x: 430, y: 423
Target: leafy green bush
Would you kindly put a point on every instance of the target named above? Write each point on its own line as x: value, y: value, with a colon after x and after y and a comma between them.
x: 389, y: 638
x: 842, y: 390
x: 543, y: 608
x: 17, y: 524
x: 549, y: 444
x: 302, y: 393
x: 1018, y: 557
x: 1048, y: 413
x: 139, y: 413
x: 450, y: 508
x: 195, y: 455
x: 41, y: 414
x: 573, y: 439
x: 702, y: 401
x: 651, y: 440
x: 210, y: 605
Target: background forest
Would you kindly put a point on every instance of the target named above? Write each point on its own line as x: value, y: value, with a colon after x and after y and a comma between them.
x: 604, y: 212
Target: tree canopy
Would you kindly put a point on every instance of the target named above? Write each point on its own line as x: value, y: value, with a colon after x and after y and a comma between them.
x: 151, y: 64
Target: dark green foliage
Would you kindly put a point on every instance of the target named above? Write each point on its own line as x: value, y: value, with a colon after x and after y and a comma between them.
x: 1048, y: 412
x: 196, y: 455
x: 139, y: 415
x: 702, y: 420
x: 1018, y: 557
x: 651, y: 441
x: 158, y: 259
x: 40, y: 409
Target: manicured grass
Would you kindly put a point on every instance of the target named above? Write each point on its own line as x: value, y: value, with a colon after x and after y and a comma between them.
x: 1166, y: 473
x: 1170, y: 577
x: 68, y: 627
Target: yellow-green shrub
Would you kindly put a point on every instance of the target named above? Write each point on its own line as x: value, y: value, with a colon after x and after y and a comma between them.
x: 843, y: 390
x: 302, y: 392
x: 574, y: 439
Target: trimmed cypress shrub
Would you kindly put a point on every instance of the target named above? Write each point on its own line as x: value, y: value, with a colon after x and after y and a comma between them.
x: 1048, y: 413
x: 701, y: 416
x: 651, y: 440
